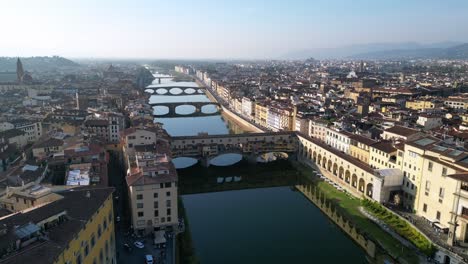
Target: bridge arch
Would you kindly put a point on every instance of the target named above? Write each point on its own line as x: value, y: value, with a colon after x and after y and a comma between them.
x: 161, y: 110
x: 189, y: 91
x: 176, y: 91
x: 209, y: 109
x: 185, y: 109
x: 160, y: 91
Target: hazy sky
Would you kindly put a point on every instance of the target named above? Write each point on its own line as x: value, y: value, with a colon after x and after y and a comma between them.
x: 219, y: 28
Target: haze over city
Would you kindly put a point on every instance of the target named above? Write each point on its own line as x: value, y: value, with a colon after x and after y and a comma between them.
x: 223, y: 29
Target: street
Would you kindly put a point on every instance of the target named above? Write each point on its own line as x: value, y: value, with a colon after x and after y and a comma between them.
x: 122, y: 228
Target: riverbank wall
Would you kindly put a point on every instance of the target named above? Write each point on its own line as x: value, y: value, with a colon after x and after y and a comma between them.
x: 239, y: 120
x: 313, y: 194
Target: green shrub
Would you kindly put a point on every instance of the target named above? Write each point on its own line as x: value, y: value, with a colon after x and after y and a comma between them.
x: 400, y: 226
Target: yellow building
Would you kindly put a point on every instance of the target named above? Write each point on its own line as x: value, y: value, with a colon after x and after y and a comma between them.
x: 24, y: 197
x: 79, y: 229
x: 440, y: 176
x: 261, y: 113
x: 359, y: 147
x: 383, y: 155
x: 422, y: 104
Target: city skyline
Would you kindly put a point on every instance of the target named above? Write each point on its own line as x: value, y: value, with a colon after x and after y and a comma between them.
x: 207, y: 29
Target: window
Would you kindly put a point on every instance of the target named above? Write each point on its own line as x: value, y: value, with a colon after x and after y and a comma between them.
x: 78, y: 259
x: 105, y: 224
x: 139, y: 205
x: 139, y: 196
x: 93, y: 240
x: 444, y: 171
x: 428, y: 186
x: 167, y: 185
x: 140, y: 214
x: 86, y: 248
x: 425, y: 208
x: 168, y: 203
x: 430, y: 165
x: 99, y: 231
x: 155, y: 195
x: 168, y: 218
x: 168, y: 193
x: 156, y: 204
x: 441, y: 192
x: 438, y: 215
x: 156, y: 213
x: 163, y: 219
x: 101, y: 256
x: 168, y: 211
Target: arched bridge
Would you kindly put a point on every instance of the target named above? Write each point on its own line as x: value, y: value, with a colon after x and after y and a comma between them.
x: 186, y: 90
x: 251, y: 145
x: 197, y: 112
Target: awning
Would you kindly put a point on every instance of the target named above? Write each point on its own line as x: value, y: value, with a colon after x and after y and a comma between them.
x: 440, y: 226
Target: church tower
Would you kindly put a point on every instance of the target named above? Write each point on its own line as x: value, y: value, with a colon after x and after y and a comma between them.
x: 19, y: 71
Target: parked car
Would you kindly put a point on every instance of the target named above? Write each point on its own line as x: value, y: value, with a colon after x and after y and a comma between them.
x: 149, y: 259
x: 138, y: 244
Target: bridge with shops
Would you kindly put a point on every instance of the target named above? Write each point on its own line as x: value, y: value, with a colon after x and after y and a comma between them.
x: 250, y: 145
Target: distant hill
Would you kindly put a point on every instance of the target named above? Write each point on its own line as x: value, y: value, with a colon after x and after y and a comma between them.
x: 37, y: 64
x: 362, y: 49
x: 455, y: 52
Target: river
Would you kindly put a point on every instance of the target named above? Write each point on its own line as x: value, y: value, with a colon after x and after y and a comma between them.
x: 249, y: 213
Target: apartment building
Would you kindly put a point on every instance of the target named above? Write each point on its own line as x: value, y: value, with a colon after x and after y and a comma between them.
x: 383, y: 155
x: 359, y: 147
x: 261, y: 113
x: 319, y: 130
x: 152, y: 185
x: 339, y: 140
x: 400, y: 132
x: 77, y: 227
x: 33, y: 129
x: 248, y: 107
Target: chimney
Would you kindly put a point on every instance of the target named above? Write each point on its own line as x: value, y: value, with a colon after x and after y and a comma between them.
x: 88, y: 194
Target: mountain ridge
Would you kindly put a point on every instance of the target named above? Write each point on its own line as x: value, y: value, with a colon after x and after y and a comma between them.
x: 39, y: 63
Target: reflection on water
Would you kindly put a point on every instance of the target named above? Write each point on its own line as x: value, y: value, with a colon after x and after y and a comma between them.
x: 226, y: 159
x: 184, y: 162
x: 160, y: 110
x: 185, y: 109
x: 239, y: 208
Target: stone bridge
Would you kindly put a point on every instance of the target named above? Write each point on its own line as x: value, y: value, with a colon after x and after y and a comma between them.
x: 197, y: 112
x: 186, y: 90
x: 250, y: 145
x: 159, y: 78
